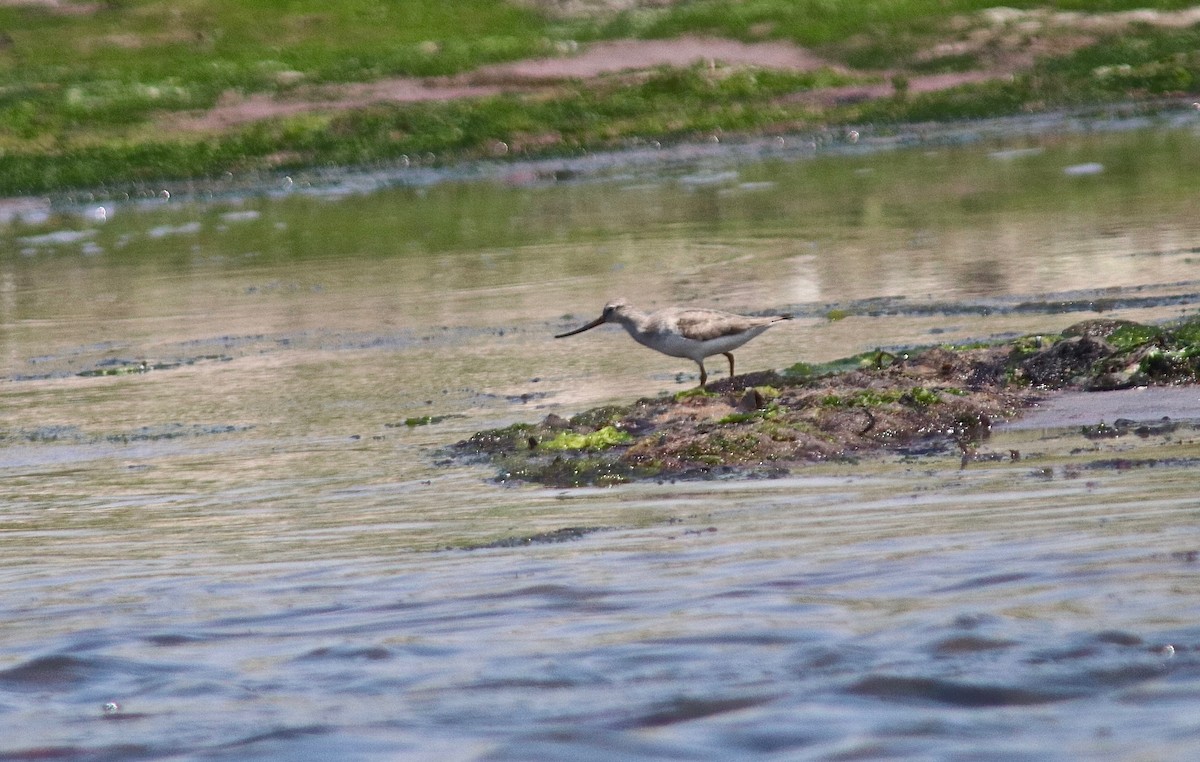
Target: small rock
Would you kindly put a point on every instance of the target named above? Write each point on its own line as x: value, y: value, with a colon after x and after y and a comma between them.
x: 750, y: 401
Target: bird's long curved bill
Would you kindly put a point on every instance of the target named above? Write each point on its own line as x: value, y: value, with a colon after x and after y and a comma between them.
x: 588, y: 327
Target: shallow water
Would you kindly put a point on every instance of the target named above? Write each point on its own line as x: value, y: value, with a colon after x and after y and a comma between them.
x: 221, y: 540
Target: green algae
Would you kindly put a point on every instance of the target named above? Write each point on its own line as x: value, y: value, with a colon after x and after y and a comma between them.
x: 1133, y: 335
x: 1027, y: 346
x: 1187, y: 332
x: 687, y: 394
x: 566, y: 534
x: 804, y: 370
x: 600, y: 439
x: 752, y: 415
x: 917, y: 396
x: 424, y: 420
x: 571, y: 471
x: 598, y: 417
x: 134, y: 367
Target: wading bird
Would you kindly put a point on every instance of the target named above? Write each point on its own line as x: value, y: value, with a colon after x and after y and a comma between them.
x: 684, y: 332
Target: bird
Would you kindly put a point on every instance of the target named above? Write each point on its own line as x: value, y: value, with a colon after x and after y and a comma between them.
x: 684, y: 331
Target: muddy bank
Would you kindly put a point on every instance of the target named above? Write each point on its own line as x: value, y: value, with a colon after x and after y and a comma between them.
x: 930, y: 400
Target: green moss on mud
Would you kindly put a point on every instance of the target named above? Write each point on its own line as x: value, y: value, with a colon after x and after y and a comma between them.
x: 601, y: 439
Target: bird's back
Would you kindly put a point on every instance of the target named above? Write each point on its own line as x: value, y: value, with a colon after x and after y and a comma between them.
x: 706, y: 325
x: 698, y: 333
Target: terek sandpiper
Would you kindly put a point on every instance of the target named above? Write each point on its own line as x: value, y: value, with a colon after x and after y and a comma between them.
x: 684, y: 332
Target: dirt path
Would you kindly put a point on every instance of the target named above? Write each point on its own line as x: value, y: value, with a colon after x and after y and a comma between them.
x: 636, y: 55
x: 597, y: 60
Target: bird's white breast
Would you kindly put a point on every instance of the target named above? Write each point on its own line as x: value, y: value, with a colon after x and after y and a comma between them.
x: 675, y: 345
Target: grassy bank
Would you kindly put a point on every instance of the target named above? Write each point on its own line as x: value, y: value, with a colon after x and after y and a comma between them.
x: 86, y: 90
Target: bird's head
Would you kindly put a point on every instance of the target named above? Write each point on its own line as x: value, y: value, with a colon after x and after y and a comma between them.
x: 611, y: 311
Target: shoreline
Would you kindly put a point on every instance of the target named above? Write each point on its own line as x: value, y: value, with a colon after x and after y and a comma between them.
x: 635, y: 160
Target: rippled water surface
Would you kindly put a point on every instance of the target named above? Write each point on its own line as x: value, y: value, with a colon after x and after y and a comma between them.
x: 221, y: 538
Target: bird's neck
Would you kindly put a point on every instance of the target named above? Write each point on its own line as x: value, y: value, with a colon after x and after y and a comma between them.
x: 634, y: 321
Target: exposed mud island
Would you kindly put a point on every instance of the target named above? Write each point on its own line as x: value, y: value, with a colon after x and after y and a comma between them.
x: 763, y: 424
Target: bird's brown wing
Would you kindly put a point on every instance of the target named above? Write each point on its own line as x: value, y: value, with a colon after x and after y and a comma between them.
x: 705, y: 325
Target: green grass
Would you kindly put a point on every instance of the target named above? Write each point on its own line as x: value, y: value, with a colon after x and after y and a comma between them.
x: 81, y: 93
x: 1145, y: 62
x: 871, y: 34
x: 114, y: 66
x: 248, y: 41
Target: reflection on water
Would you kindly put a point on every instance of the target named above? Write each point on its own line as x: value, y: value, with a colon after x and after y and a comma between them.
x: 215, y: 516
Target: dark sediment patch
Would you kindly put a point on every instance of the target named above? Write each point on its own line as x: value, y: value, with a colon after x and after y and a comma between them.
x: 1126, y: 464
x: 762, y: 424
x: 121, y: 367
x: 70, y: 434
x: 565, y: 534
x: 956, y: 693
